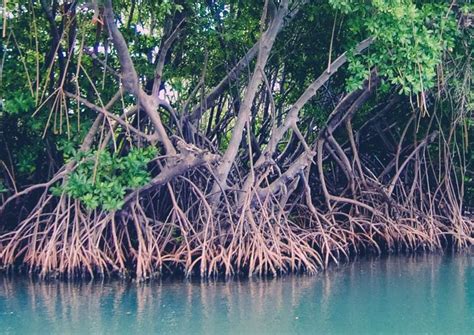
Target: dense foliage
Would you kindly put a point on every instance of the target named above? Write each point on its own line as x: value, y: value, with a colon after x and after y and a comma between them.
x: 232, y: 136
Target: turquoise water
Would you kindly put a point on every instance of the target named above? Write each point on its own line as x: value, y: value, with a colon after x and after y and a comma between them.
x: 423, y: 294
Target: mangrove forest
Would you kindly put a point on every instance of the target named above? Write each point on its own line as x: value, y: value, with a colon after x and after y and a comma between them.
x: 220, y: 138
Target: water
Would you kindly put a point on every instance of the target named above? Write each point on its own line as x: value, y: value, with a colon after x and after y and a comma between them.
x: 424, y: 294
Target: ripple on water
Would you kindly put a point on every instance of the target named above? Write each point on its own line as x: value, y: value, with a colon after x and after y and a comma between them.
x: 422, y: 294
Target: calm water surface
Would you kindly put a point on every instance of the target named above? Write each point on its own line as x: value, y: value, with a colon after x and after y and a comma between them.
x: 424, y: 294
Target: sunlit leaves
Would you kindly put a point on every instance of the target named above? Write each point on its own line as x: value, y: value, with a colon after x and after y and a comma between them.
x: 101, y: 179
x: 409, y: 41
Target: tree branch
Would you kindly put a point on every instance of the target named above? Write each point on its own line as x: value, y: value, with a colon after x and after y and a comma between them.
x: 234, y: 73
x: 265, y: 46
x: 128, y: 74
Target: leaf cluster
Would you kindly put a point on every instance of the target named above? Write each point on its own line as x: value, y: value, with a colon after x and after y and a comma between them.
x: 101, y: 178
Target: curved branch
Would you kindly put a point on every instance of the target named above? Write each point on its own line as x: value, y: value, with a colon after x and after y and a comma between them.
x: 128, y: 74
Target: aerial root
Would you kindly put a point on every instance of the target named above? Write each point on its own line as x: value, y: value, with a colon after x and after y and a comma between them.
x: 62, y: 238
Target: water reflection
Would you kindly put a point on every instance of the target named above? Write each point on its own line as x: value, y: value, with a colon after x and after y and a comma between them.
x: 398, y: 294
